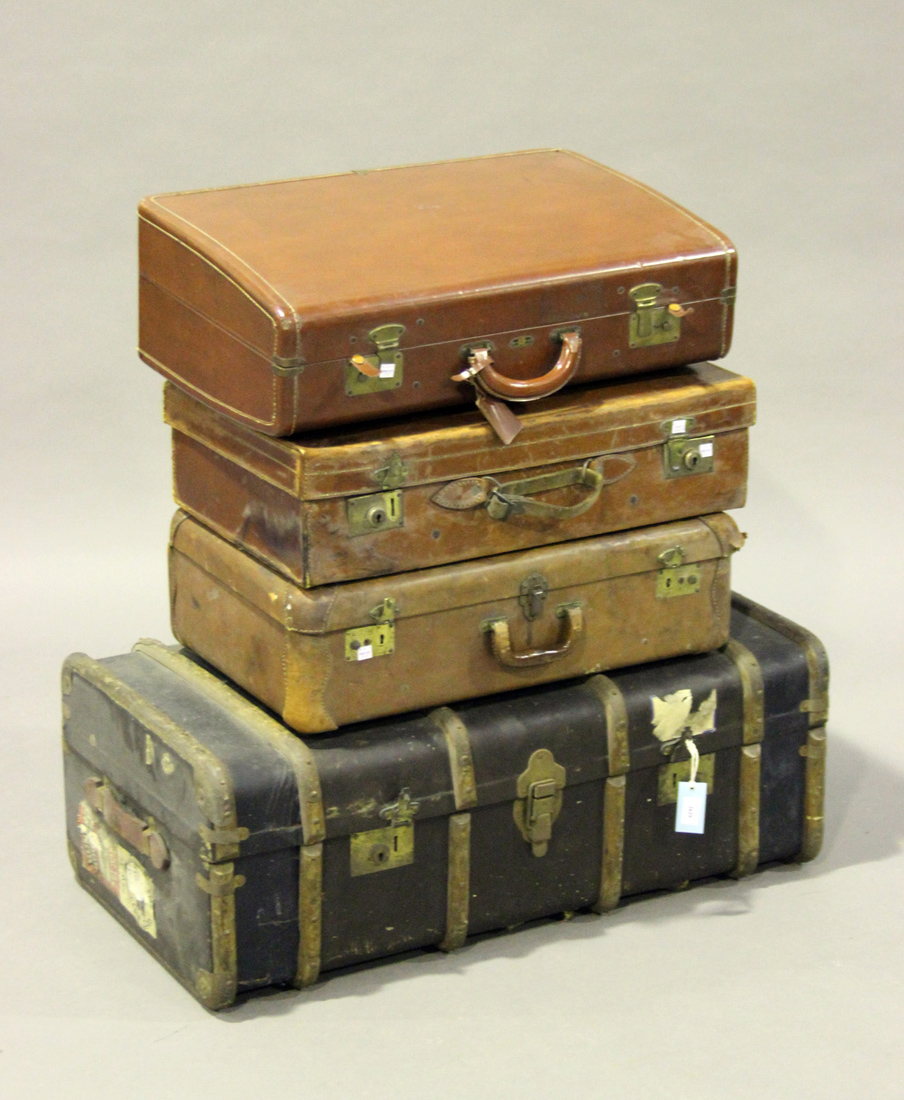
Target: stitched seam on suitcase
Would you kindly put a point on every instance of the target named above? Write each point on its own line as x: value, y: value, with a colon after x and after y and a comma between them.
x: 296, y: 320
x: 192, y: 388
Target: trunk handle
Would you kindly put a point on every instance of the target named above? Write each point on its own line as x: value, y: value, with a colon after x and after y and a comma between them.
x: 501, y: 640
x: 142, y: 835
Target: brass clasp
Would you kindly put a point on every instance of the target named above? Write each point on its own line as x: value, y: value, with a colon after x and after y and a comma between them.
x: 539, y: 800
x: 532, y: 595
x: 383, y: 371
x: 653, y: 322
x: 391, y: 846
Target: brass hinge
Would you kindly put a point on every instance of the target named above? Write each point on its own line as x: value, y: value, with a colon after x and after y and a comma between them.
x: 220, y: 889
x: 539, y: 800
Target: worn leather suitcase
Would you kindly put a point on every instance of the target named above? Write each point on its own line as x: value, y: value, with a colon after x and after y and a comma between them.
x: 436, y: 489
x: 328, y: 656
x: 243, y: 856
x: 305, y: 303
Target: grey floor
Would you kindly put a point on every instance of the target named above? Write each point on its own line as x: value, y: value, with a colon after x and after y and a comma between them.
x: 780, y: 123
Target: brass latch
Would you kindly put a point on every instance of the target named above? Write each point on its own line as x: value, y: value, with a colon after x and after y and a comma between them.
x: 676, y: 579
x: 392, y: 846
x: 392, y: 475
x: 383, y: 371
x: 539, y: 800
x: 364, y: 642
x: 653, y: 322
x: 532, y: 594
x: 375, y: 512
x: 683, y: 454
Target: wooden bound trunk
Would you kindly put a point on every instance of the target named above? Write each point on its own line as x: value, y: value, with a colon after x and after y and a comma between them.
x: 414, y: 493
x: 304, y: 303
x: 327, y: 656
x: 243, y: 856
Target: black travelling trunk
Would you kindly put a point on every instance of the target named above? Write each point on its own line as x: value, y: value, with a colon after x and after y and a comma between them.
x: 243, y: 856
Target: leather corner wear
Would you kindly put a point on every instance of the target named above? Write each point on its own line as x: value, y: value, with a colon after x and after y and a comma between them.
x: 244, y: 857
x: 302, y: 304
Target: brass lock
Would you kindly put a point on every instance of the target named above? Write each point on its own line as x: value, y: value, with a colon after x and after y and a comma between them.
x: 364, y: 642
x: 539, y: 800
x: 383, y: 371
x: 685, y: 456
x: 652, y: 323
x: 392, y: 846
x: 374, y: 512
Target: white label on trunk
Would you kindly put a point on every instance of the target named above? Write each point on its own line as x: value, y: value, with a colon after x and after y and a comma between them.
x: 706, y: 450
x: 690, y: 812
x: 387, y: 370
x: 679, y: 427
x: 364, y: 652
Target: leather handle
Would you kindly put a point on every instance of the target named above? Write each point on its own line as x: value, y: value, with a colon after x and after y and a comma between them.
x: 482, y: 373
x: 141, y: 835
x: 513, y: 499
x: 501, y: 641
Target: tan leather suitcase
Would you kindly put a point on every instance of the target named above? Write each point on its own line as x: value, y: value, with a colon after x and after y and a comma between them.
x: 328, y: 656
x: 304, y: 303
x: 424, y: 492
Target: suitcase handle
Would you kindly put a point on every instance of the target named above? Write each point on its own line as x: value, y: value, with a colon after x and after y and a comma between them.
x: 513, y: 498
x: 501, y: 640
x: 482, y: 373
x: 140, y: 834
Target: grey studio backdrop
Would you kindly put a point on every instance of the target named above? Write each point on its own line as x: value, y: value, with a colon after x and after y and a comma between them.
x: 781, y: 124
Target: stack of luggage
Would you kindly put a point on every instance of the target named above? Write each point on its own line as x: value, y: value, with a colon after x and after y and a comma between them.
x: 450, y: 574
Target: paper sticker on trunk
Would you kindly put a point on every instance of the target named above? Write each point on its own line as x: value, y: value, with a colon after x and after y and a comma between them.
x: 121, y: 873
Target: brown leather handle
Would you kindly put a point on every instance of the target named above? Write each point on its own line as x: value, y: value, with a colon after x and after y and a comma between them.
x: 482, y: 373
x: 140, y: 834
x: 501, y: 641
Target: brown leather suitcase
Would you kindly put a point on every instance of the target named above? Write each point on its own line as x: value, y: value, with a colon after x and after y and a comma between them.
x: 396, y: 496
x: 305, y: 303
x: 244, y: 857
x: 336, y: 654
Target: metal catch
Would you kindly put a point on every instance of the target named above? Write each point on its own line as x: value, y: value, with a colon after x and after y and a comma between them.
x: 375, y: 512
x: 683, y: 455
x: 392, y: 846
x: 532, y: 595
x: 378, y: 640
x: 652, y: 323
x: 383, y: 371
x: 539, y: 800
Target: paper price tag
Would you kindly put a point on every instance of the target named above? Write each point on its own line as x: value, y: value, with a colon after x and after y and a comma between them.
x: 679, y: 427
x: 706, y: 450
x: 690, y: 812
x: 365, y: 652
x: 387, y: 370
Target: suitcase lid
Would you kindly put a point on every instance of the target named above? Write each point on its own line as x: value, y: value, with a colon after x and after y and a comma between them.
x: 576, y: 425
x: 486, y: 581
x: 239, y: 781
x: 303, y: 270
